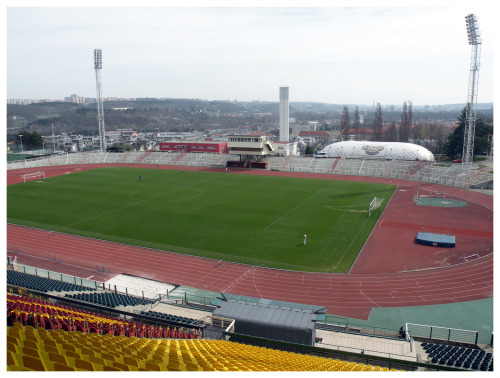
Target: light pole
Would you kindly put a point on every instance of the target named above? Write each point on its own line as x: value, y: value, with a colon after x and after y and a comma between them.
x: 473, y: 36
x: 21, y: 137
x: 100, y: 109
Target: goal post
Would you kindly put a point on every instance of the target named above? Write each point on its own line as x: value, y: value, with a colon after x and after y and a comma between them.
x: 32, y: 176
x: 375, y: 204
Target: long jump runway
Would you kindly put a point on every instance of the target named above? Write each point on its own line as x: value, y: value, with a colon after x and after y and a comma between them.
x: 418, y: 276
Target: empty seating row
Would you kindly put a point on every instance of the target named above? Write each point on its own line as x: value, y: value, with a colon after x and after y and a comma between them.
x: 461, y: 357
x: 50, y: 316
x: 110, y: 299
x: 172, y: 318
x: 32, y: 282
x: 37, y: 349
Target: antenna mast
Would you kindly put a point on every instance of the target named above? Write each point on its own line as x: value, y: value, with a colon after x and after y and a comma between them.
x: 100, y: 110
x: 470, y: 110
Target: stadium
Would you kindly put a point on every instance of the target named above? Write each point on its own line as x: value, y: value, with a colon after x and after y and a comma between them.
x: 87, y: 302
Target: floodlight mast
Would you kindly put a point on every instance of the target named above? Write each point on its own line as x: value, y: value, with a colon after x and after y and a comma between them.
x: 100, y: 109
x: 470, y: 110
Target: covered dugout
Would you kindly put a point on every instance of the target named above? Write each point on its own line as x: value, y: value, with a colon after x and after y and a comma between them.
x: 275, y: 320
x: 378, y: 150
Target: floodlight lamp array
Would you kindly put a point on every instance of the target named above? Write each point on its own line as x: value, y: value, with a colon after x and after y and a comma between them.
x: 97, y: 59
x: 472, y: 29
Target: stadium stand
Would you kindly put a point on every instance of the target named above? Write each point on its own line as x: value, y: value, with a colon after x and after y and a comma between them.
x: 38, y: 313
x: 172, y: 318
x: 40, y: 283
x: 74, y: 331
x: 38, y: 349
x: 462, y: 357
x: 110, y: 299
x: 444, y: 174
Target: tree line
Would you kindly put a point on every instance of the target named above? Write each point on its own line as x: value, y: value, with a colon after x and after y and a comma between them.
x: 436, y: 138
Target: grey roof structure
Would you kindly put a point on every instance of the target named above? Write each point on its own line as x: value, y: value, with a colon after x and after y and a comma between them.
x: 272, y: 322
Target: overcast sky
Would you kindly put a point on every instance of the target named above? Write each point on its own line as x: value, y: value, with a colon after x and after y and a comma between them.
x: 335, y: 54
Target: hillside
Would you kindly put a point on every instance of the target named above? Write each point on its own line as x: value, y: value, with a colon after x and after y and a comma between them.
x: 150, y: 114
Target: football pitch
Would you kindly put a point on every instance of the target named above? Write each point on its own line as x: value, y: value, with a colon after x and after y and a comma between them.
x: 258, y: 220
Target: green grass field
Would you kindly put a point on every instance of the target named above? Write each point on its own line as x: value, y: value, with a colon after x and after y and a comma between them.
x: 243, y: 218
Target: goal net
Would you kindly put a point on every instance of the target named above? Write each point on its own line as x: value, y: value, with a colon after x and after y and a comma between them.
x: 375, y: 204
x: 32, y: 176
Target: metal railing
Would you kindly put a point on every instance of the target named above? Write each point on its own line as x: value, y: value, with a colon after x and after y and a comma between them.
x: 441, y: 333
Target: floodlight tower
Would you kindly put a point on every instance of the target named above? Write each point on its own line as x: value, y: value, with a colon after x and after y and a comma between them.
x: 100, y: 110
x: 470, y: 110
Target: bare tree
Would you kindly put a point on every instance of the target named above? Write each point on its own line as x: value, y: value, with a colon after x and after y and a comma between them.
x: 356, y: 122
x: 345, y: 124
x: 378, y: 123
x: 404, y: 129
x: 410, y: 114
x: 417, y: 134
x: 392, y: 133
x: 437, y: 138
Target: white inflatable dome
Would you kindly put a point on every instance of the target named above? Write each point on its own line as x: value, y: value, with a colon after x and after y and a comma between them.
x: 378, y: 150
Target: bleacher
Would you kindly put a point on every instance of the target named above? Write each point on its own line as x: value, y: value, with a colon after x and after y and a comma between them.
x: 110, y: 299
x: 444, y: 174
x: 38, y: 349
x: 461, y: 357
x: 41, y: 283
x: 39, y: 313
x: 80, y: 328
x: 172, y: 318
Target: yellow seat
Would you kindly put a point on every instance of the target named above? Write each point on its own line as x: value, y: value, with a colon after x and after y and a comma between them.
x: 59, y: 358
x: 31, y: 351
x: 30, y: 330
x: 18, y: 368
x: 13, y: 347
x: 48, y: 342
x: 152, y: 365
x: 51, y: 349
x: 98, y: 360
x: 83, y: 365
x: 14, y: 332
x: 142, y: 355
x: 33, y: 363
x: 62, y: 367
x: 129, y: 360
x: 30, y: 344
x: 69, y: 347
x: 110, y: 368
x: 13, y: 358
x: 120, y: 366
x: 86, y: 353
x: 71, y: 355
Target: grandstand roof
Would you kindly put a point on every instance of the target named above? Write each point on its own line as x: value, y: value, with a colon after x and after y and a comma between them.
x: 269, y: 322
x: 377, y: 150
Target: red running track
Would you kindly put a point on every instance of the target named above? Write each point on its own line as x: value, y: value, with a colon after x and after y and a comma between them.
x: 383, y: 276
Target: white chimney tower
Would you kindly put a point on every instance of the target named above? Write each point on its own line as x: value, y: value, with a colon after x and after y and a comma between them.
x: 284, y: 118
